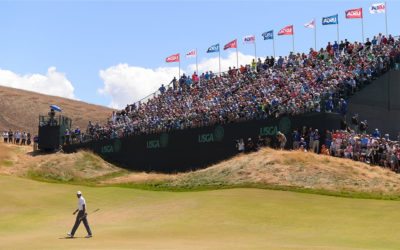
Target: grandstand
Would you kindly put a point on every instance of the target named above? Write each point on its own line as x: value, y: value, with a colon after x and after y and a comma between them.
x: 294, y: 91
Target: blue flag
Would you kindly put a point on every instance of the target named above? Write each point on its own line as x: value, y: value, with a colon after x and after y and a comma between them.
x: 330, y: 20
x: 213, y: 48
x: 268, y: 35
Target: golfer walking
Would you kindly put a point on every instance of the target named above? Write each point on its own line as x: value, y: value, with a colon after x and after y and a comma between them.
x: 82, y: 216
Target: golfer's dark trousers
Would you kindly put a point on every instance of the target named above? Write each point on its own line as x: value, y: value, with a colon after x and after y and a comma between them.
x: 80, y: 217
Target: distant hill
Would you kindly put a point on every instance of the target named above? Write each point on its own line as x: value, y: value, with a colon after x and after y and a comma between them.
x: 20, y: 109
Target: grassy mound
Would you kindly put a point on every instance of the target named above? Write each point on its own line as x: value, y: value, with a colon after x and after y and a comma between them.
x: 81, y: 167
x: 268, y: 168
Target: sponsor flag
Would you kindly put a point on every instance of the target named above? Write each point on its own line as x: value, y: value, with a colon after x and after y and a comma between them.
x: 354, y: 13
x: 249, y: 39
x: 172, y: 58
x: 310, y: 24
x: 330, y: 20
x: 213, y: 48
x: 377, y: 8
x: 268, y: 35
x: 231, y: 45
x: 288, y: 30
x: 192, y: 53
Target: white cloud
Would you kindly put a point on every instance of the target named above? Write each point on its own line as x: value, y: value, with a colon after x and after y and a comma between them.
x: 53, y: 83
x: 213, y: 63
x: 127, y: 84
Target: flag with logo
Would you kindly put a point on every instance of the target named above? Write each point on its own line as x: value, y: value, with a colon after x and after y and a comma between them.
x: 213, y: 48
x: 249, y: 39
x: 377, y: 8
x: 231, y: 45
x: 288, y: 30
x: 354, y: 13
x: 192, y: 53
x: 172, y: 58
x: 330, y: 20
x: 268, y: 35
x: 310, y: 24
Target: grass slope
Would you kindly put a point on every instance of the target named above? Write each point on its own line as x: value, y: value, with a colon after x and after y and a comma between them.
x: 20, y: 110
x: 268, y: 169
x: 37, y: 215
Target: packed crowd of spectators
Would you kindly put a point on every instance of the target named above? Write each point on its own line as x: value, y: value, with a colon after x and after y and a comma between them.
x: 355, y: 144
x: 319, y: 81
x: 352, y: 143
x: 17, y: 137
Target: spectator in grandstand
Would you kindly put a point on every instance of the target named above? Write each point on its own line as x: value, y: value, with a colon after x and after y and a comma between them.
x: 299, y: 83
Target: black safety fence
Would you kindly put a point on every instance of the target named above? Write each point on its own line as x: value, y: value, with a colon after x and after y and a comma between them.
x: 190, y: 149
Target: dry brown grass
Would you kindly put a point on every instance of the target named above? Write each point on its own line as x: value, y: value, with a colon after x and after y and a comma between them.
x: 267, y: 167
x: 79, y: 166
x: 20, y: 109
x: 296, y: 169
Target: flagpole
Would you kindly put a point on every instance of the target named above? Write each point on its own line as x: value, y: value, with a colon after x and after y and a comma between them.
x: 237, y: 57
x: 219, y: 60
x: 315, y: 35
x: 255, y: 50
x: 293, y: 42
x: 386, y: 19
x: 179, y: 66
x: 337, y: 26
x: 197, y: 67
x: 273, y: 45
x: 362, y: 28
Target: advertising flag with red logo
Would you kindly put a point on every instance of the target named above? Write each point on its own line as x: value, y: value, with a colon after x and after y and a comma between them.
x: 288, y: 30
x: 231, y: 45
x: 310, y: 24
x: 172, y: 58
x: 192, y: 53
x: 354, y: 13
x: 249, y: 39
x: 377, y: 8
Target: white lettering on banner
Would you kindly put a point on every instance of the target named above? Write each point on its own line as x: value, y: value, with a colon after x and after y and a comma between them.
x: 354, y: 13
x: 330, y: 20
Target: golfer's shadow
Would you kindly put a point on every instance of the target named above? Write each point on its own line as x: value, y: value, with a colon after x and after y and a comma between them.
x: 70, y: 238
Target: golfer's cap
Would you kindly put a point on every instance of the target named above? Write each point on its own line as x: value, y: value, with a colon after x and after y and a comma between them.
x: 79, y: 192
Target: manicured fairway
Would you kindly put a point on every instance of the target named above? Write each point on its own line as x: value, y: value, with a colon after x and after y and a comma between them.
x: 35, y: 215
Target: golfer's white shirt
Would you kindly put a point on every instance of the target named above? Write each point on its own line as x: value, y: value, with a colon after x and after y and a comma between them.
x: 81, y: 202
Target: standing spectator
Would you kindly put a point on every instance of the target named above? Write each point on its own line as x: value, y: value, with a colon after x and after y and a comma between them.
x: 363, y: 126
x: 28, y: 138
x: 240, y: 145
x: 10, y: 136
x: 354, y: 122
x: 281, y: 140
x: 24, y: 137
x: 5, y: 136
x: 296, y: 139
x: 35, y: 143
x: 17, y: 136
x: 315, y: 146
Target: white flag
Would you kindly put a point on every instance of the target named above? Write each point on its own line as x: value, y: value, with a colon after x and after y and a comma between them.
x: 249, y: 39
x: 377, y: 8
x: 310, y: 24
x: 191, y: 53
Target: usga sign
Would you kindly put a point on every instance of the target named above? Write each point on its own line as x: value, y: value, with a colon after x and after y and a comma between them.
x: 354, y: 13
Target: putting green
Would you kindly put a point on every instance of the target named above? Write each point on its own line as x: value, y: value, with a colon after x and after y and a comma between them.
x: 35, y: 215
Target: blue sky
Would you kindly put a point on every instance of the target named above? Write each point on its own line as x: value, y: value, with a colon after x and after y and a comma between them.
x: 113, y: 52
